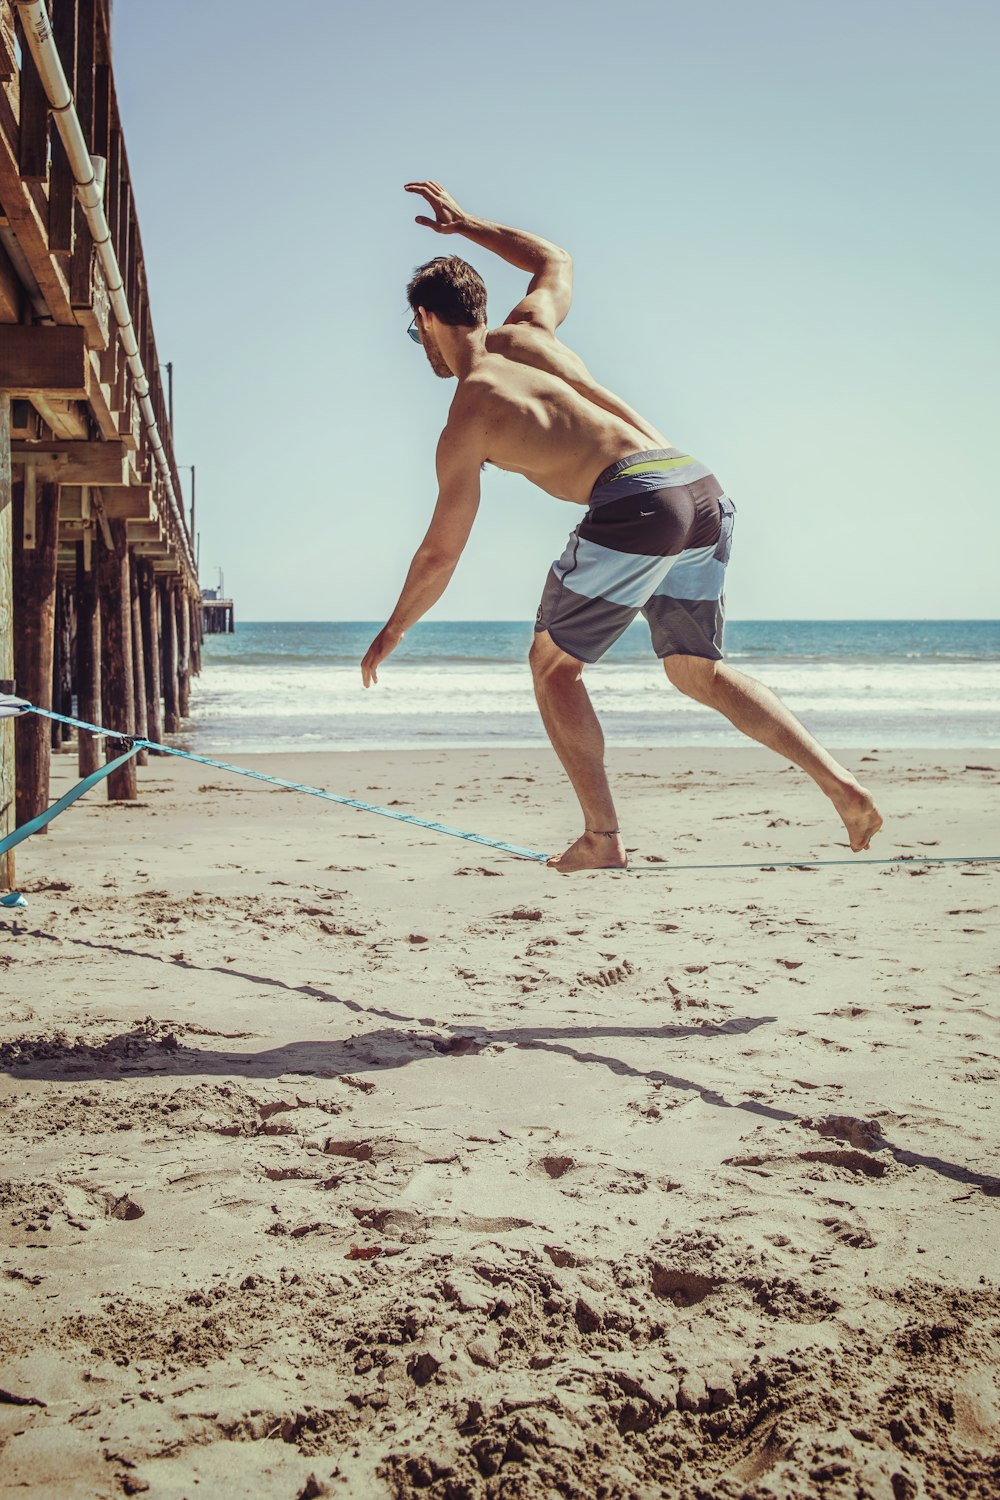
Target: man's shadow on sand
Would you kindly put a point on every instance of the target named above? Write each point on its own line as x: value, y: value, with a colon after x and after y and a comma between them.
x: 150, y: 1049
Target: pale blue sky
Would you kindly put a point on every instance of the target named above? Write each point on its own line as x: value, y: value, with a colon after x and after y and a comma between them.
x: 784, y: 222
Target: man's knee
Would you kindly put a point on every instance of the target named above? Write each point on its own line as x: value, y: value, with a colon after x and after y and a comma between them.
x: 548, y: 660
x: 696, y: 676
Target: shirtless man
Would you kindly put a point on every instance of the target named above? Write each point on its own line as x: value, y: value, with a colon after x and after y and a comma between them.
x: 655, y: 537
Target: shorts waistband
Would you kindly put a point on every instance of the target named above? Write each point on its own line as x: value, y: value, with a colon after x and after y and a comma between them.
x: 620, y: 464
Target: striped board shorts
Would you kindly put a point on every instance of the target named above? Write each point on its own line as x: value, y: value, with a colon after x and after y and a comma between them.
x: 656, y: 538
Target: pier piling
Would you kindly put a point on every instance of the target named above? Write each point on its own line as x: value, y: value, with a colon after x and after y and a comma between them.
x: 138, y: 664
x: 36, y: 540
x: 171, y: 690
x: 183, y: 652
x: 149, y: 611
x: 7, y: 777
x: 117, y: 682
x: 88, y: 659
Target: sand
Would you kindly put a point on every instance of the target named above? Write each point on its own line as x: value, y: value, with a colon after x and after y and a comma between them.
x: 338, y: 1157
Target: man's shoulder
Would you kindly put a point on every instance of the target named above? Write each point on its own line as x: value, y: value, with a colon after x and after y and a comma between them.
x: 482, y: 387
x: 510, y: 337
x: 469, y: 415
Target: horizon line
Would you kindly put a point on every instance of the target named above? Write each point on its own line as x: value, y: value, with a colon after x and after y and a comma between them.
x: 745, y: 620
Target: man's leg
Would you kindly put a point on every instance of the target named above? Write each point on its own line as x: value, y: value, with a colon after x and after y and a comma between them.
x: 759, y: 713
x: 573, y: 728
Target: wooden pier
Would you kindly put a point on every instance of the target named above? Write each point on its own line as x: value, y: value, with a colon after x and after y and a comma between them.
x: 100, y: 608
x: 219, y: 614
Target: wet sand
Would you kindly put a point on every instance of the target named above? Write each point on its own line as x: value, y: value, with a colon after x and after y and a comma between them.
x: 340, y: 1157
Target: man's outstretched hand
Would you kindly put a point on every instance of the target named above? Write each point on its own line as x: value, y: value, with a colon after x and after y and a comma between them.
x: 449, y: 218
x: 385, y: 642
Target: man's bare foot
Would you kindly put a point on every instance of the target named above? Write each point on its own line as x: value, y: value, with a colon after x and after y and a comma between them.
x: 859, y: 814
x: 592, y: 851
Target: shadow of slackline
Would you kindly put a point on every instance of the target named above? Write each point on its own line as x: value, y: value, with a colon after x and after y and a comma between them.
x: 139, y: 1051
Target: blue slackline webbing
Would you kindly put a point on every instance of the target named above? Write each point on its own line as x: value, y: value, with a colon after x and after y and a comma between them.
x: 387, y: 812
x: 37, y: 824
x: 293, y: 786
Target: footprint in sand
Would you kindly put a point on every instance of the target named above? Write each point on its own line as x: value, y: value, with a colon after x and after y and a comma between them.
x: 682, y: 1288
x: 358, y: 1150
x: 556, y: 1166
x: 854, y: 1164
x: 853, y: 1235
x: 402, y: 1223
x: 866, y: 1135
x: 606, y: 977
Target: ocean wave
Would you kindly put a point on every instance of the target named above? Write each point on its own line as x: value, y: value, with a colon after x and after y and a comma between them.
x: 479, y: 643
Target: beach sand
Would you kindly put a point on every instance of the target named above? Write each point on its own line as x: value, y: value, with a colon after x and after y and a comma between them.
x: 342, y: 1157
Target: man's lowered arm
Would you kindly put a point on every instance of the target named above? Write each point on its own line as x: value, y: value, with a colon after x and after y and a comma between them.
x: 435, y: 560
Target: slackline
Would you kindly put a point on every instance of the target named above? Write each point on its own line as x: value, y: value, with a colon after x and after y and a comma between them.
x: 12, y: 707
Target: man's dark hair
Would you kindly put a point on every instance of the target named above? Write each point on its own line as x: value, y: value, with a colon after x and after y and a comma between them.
x: 449, y: 287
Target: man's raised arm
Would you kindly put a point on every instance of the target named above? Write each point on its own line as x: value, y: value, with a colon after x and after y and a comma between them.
x: 550, y: 290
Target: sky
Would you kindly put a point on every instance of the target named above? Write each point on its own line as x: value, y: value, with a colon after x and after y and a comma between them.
x: 784, y: 223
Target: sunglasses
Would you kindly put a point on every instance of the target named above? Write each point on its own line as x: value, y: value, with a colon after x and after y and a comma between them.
x: 413, y: 330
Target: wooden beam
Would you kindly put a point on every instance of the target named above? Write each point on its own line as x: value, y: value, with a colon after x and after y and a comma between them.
x: 33, y: 145
x: 86, y: 287
x: 85, y: 60
x: 8, y: 67
x: 104, y: 30
x: 7, y: 683
x: 76, y: 463
x: 102, y: 396
x: 117, y: 683
x: 11, y: 293
x: 102, y: 115
x: 107, y: 369
x: 25, y: 219
x: 103, y: 524
x: 133, y: 502
x: 144, y: 531
x: 65, y: 417
x: 113, y: 183
x: 37, y: 359
x: 34, y: 630
x: 61, y: 199
x: 64, y: 27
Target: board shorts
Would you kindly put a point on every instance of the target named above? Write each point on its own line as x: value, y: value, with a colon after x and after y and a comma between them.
x: 656, y: 539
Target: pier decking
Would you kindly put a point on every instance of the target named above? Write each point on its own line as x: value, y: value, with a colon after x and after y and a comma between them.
x: 99, y: 595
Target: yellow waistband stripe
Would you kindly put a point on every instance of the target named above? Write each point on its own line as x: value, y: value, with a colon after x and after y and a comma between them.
x: 657, y: 463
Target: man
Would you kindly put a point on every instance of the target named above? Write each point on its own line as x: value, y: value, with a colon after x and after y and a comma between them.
x: 656, y: 535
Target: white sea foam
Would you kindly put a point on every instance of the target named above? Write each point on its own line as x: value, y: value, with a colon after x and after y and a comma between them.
x: 283, y: 706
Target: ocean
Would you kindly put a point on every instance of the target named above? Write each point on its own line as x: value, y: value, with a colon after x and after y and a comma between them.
x: 859, y: 683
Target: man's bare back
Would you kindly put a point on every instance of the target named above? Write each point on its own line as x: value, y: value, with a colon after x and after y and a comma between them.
x: 534, y: 408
